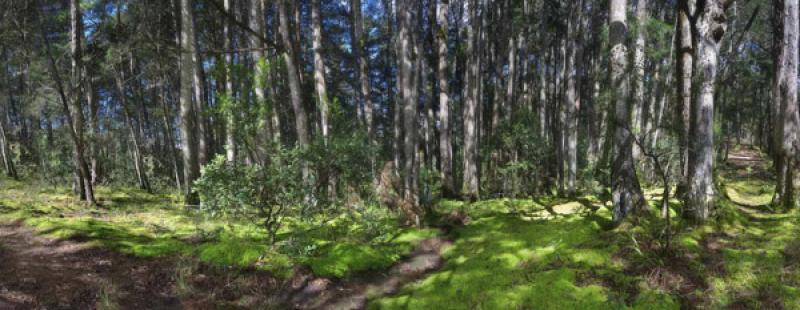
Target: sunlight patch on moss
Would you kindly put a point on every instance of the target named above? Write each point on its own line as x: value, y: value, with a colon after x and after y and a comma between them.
x: 499, y: 261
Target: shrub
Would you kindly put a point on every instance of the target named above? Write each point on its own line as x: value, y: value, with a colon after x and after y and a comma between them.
x: 263, y: 194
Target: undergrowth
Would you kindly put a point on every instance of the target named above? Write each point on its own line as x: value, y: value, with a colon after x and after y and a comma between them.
x: 154, y: 225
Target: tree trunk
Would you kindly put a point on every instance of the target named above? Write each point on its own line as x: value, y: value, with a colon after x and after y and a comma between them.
x: 293, y: 74
x: 445, y: 145
x: 76, y: 32
x: 472, y: 78
x: 711, y: 27
x: 138, y: 162
x: 786, y: 187
x: 360, y: 54
x: 684, y: 68
x: 259, y: 64
x: 572, y: 102
x: 202, y: 134
x: 319, y: 67
x: 638, y: 75
x: 408, y: 90
x: 5, y: 149
x: 168, y: 134
x: 188, y: 67
x: 626, y: 194
x: 231, y: 149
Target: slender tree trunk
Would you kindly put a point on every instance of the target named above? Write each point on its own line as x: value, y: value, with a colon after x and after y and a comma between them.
x: 408, y: 90
x: 445, y: 144
x: 5, y: 149
x: 200, y: 92
x: 259, y: 64
x: 360, y: 54
x: 293, y: 75
x: 231, y: 149
x: 572, y: 102
x: 472, y: 78
x: 778, y: 50
x: 319, y: 67
x: 168, y: 134
x: 684, y: 67
x: 138, y: 162
x: 77, y: 110
x: 787, y: 169
x: 626, y: 194
x: 188, y: 69
x: 638, y: 76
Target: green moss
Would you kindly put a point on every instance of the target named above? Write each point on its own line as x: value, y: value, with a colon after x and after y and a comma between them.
x: 752, y: 193
x: 232, y: 252
x: 654, y: 300
x: 500, y: 260
x: 342, y: 259
x: 153, y: 225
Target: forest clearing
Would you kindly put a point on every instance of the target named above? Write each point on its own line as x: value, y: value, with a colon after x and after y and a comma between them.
x: 399, y: 154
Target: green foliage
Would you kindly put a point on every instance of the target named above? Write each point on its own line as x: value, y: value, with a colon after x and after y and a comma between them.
x: 261, y: 194
x: 346, y: 158
x: 521, y: 173
x: 148, y: 225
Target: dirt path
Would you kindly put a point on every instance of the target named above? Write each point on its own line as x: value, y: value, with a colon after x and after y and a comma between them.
x: 354, y: 293
x: 42, y: 273
x: 38, y: 273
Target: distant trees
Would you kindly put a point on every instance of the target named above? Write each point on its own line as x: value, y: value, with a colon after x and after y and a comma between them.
x: 290, y: 59
x: 468, y: 98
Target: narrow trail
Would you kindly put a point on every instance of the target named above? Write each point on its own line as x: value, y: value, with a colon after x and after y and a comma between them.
x: 42, y: 273
x: 354, y: 293
x: 750, y: 263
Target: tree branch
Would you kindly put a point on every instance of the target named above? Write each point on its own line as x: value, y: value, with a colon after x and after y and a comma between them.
x: 244, y: 27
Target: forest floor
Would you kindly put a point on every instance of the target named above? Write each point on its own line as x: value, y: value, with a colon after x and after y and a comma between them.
x: 137, y: 252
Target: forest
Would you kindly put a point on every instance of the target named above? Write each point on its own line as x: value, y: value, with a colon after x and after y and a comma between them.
x: 399, y: 154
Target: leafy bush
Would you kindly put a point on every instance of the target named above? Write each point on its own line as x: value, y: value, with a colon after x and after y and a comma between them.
x: 263, y: 194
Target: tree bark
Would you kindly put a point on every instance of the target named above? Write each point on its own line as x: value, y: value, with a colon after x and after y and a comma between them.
x: 626, y: 193
x: 188, y: 67
x: 319, y: 68
x: 684, y: 67
x: 76, y: 31
x: 408, y: 90
x: 259, y: 64
x: 445, y: 144
x: 572, y: 101
x: 787, y: 165
x: 639, y: 101
x: 5, y: 149
x: 202, y: 134
x: 231, y: 149
x: 472, y: 78
x: 293, y: 75
x: 360, y: 53
x: 710, y: 25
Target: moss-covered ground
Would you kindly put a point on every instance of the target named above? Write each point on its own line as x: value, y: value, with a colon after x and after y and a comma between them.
x: 153, y: 225
x: 535, y: 254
